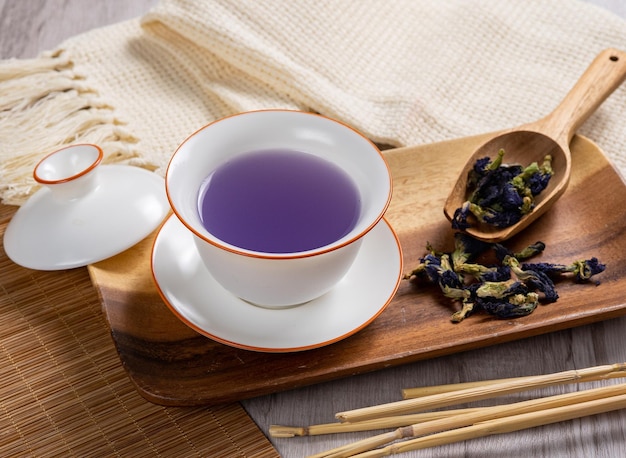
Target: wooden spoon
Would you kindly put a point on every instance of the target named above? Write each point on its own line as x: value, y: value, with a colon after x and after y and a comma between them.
x: 549, y: 135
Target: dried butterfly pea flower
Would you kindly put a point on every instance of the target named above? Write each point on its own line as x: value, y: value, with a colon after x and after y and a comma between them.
x: 535, y: 279
x: 583, y: 269
x: 504, y: 299
x: 497, y: 273
x: 471, y: 246
x: 438, y: 270
x: 484, y: 273
x: 530, y: 251
x: 500, y: 195
x: 506, y: 289
x: 461, y: 216
x: 515, y: 306
x: 536, y: 177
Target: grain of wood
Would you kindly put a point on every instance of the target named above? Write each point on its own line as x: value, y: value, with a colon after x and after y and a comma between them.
x: 30, y: 26
x: 188, y: 369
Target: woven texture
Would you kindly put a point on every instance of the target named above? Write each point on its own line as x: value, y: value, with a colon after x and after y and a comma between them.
x: 403, y: 72
x: 64, y: 392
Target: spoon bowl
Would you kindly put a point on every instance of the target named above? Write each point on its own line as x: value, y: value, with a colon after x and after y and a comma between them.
x: 550, y: 135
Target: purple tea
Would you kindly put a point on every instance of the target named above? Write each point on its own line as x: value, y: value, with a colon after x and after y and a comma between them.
x: 279, y: 201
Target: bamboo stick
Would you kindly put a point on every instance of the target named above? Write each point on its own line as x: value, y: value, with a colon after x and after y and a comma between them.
x: 469, y: 418
x: 367, y: 425
x: 418, y: 392
x: 503, y: 425
x: 475, y: 393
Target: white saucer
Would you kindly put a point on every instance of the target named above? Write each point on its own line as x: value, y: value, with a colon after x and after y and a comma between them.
x: 47, y: 233
x: 198, y: 300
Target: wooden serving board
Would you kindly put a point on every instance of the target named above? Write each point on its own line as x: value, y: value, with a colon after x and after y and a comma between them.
x: 171, y: 364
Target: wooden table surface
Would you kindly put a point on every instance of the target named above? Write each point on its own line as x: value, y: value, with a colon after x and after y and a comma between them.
x: 30, y: 26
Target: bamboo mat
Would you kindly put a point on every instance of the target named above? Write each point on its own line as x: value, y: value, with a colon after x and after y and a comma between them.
x: 63, y: 391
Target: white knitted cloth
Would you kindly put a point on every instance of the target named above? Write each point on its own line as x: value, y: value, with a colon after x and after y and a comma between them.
x: 404, y: 72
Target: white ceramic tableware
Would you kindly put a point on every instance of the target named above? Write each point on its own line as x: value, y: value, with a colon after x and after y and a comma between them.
x: 277, y: 279
x: 85, y: 211
x: 198, y: 300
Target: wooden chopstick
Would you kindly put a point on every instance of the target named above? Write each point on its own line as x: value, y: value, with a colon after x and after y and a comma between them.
x: 412, y: 393
x: 478, y: 416
x: 367, y: 425
x: 476, y: 393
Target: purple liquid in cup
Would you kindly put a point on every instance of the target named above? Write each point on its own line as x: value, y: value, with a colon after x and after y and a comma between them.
x: 279, y: 201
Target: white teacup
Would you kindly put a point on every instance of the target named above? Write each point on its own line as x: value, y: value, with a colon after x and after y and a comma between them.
x: 277, y: 279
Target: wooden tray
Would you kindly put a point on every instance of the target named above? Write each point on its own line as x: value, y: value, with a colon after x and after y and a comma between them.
x: 172, y: 365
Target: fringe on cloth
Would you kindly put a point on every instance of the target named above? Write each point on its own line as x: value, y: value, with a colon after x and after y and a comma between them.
x: 55, y: 105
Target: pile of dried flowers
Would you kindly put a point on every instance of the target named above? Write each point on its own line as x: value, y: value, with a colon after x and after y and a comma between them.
x: 505, y: 288
x: 500, y: 195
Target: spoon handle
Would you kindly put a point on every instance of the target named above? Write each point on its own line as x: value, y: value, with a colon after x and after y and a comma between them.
x: 602, y: 77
